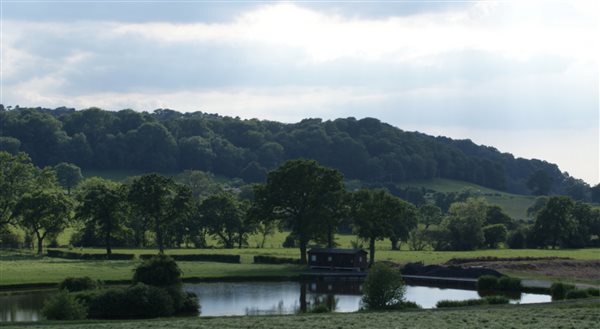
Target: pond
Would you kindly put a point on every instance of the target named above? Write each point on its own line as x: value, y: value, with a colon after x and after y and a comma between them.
x: 260, y: 298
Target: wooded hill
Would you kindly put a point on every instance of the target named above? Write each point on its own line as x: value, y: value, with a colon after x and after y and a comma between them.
x: 170, y: 141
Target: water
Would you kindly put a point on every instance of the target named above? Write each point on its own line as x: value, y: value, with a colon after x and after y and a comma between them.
x: 259, y: 298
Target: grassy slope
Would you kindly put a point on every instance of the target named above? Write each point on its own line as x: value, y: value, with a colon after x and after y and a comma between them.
x: 580, y: 315
x: 515, y: 205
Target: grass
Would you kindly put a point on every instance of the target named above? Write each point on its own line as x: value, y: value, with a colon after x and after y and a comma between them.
x: 515, y: 205
x: 28, y: 269
x: 581, y: 314
x: 19, y: 268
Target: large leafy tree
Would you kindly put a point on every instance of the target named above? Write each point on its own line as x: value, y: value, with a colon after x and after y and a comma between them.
x: 304, y: 197
x: 539, y: 183
x: 465, y: 222
x: 103, y: 204
x: 554, y: 221
x: 225, y: 218
x: 377, y: 215
x: 159, y: 201
x: 430, y: 214
x: 68, y: 175
x: 45, y: 213
x: 18, y: 176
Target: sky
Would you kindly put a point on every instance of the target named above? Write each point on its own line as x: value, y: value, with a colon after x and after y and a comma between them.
x: 521, y: 76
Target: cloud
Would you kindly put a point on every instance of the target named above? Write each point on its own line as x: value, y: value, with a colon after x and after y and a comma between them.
x: 472, y: 67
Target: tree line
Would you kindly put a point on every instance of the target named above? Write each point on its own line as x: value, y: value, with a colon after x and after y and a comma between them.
x: 302, y: 197
x: 365, y: 149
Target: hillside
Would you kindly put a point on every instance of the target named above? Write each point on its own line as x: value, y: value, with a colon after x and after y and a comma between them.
x: 168, y: 141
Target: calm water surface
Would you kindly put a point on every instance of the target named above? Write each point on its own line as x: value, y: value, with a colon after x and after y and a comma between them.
x: 257, y: 298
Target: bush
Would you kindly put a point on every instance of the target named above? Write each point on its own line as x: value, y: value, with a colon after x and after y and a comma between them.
x: 460, y: 303
x: 76, y: 255
x: 577, y: 294
x: 78, y: 284
x: 275, y: 260
x: 487, y: 282
x: 64, y: 306
x: 320, y: 308
x: 506, y: 283
x: 209, y: 258
x: 139, y: 301
x: 593, y: 292
x: 559, y: 290
x: 159, y: 270
x: 383, y: 287
x: 190, y: 304
x: 494, y: 300
x: 10, y: 240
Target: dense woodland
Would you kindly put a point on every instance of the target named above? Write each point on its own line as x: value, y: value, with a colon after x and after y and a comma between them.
x: 366, y: 149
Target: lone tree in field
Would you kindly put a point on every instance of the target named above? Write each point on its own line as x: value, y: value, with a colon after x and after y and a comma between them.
x: 68, y: 175
x: 102, y: 203
x: 377, y: 215
x: 161, y: 202
x: 45, y: 213
x: 305, y: 197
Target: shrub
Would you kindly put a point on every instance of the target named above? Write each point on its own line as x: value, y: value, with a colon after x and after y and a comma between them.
x: 275, y: 260
x: 383, y: 287
x: 559, y: 290
x: 190, y: 304
x: 493, y: 300
x: 76, y: 255
x: 506, y: 283
x: 10, y: 240
x: 78, y: 284
x: 139, y: 301
x: 460, y: 303
x: 159, y: 270
x: 593, y: 292
x: 320, y: 308
x: 576, y: 294
x: 487, y: 282
x: 209, y: 258
x: 64, y: 306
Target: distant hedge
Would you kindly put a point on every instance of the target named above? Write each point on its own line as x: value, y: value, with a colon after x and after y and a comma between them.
x: 76, y: 255
x: 275, y: 260
x: 201, y: 258
x: 489, y: 300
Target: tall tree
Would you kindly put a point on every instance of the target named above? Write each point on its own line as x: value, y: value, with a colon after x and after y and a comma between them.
x: 554, y: 221
x: 303, y: 196
x: 102, y: 203
x: 376, y: 215
x: 430, y: 214
x: 465, y: 224
x: 45, y: 213
x: 223, y: 217
x: 19, y: 176
x: 68, y: 175
x: 158, y: 199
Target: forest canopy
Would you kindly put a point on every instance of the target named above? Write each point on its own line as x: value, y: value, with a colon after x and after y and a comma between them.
x: 363, y: 149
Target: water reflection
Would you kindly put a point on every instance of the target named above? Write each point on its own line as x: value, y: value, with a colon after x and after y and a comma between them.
x: 24, y: 306
x: 263, y: 298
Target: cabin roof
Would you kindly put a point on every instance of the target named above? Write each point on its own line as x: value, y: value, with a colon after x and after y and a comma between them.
x: 336, y: 251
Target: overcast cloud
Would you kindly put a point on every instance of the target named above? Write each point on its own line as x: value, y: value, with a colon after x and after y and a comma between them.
x: 520, y: 76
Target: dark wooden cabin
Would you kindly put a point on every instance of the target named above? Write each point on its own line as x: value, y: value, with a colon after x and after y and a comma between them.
x: 337, y: 259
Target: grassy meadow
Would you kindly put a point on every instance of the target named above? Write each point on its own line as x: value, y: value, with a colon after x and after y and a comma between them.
x: 582, y: 314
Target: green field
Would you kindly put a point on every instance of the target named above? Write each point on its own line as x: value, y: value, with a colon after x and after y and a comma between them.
x: 23, y: 269
x: 19, y: 268
x: 515, y: 205
x: 582, y: 314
